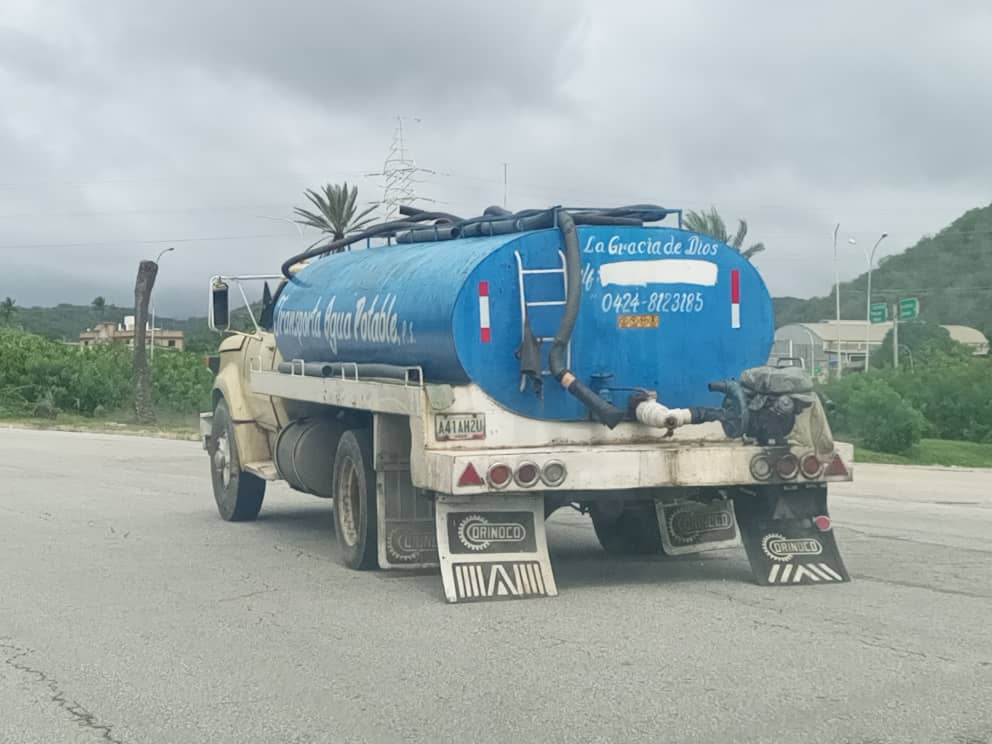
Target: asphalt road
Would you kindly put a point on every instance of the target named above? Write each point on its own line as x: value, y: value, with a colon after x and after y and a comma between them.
x: 129, y: 612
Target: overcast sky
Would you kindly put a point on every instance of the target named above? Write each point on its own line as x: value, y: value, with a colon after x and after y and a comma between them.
x: 129, y: 126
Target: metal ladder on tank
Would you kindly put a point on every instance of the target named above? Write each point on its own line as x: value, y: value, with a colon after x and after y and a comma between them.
x: 525, y: 304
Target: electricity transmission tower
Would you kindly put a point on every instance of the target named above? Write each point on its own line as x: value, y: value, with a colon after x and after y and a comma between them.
x: 398, y: 172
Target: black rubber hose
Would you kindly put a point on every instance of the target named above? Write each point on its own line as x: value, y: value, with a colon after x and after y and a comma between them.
x: 383, y: 230
x: 408, y: 211
x: 573, y: 295
x: 602, y: 219
x: 428, y: 234
x: 603, y: 411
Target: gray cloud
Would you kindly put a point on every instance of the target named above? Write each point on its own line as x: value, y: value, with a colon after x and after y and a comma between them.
x: 130, y: 123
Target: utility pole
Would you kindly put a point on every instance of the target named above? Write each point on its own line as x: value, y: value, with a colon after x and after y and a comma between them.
x: 840, y: 361
x: 143, y: 411
x: 871, y: 262
x: 151, y: 350
x: 895, y: 335
x: 143, y: 285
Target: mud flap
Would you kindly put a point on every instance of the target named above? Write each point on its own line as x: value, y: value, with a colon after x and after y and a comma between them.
x: 692, y: 527
x: 493, y: 547
x: 407, y: 538
x: 783, y: 543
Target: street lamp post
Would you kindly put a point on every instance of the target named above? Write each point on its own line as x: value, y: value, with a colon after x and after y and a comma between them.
x: 871, y: 262
x: 158, y: 258
x: 294, y: 223
x: 840, y: 364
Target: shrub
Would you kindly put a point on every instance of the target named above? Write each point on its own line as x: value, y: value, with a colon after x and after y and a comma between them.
x: 881, y: 419
x: 953, y: 393
x: 45, y: 407
x: 39, y: 377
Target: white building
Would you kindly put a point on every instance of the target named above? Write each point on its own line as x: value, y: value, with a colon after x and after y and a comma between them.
x: 819, y: 345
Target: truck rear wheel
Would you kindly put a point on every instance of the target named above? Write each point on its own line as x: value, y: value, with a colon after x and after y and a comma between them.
x: 238, y: 494
x: 634, y: 531
x: 355, y: 501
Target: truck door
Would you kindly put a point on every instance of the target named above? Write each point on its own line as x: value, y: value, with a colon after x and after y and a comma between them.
x: 260, y: 354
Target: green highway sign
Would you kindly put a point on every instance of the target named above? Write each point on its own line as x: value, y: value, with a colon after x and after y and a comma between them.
x: 909, y: 308
x: 879, y: 312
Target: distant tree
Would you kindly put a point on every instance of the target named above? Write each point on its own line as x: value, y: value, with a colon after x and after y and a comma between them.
x: 712, y: 224
x: 99, y: 305
x: 923, y: 339
x: 7, y: 309
x: 336, y: 214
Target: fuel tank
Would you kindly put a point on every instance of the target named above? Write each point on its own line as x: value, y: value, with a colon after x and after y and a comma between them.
x: 661, y: 308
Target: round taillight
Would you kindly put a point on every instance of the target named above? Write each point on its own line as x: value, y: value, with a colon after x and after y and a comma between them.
x: 761, y: 467
x: 499, y: 475
x: 811, y: 466
x: 787, y: 466
x: 553, y: 474
x: 822, y: 523
x: 527, y: 474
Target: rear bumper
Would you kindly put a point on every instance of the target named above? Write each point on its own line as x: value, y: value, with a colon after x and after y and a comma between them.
x: 621, y: 467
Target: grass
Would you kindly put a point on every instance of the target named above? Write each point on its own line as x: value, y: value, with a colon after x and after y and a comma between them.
x: 933, y: 452
x: 167, y: 425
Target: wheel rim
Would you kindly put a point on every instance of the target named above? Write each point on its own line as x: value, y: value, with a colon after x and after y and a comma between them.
x: 350, y: 502
x: 222, y: 459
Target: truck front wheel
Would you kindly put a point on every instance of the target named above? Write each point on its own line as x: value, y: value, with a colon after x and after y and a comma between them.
x: 631, y: 531
x: 238, y: 494
x: 355, y: 501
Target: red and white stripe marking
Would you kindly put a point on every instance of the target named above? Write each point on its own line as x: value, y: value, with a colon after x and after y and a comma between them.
x: 484, y: 329
x: 735, y: 298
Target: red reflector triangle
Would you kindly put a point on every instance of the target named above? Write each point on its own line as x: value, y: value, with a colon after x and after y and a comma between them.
x: 470, y: 477
x: 836, y: 467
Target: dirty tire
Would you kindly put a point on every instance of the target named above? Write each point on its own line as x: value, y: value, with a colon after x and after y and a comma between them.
x: 238, y: 494
x: 633, y: 532
x: 355, y: 501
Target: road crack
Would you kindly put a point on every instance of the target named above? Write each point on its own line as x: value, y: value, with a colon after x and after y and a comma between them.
x: 925, y: 587
x: 843, y: 630
x: 247, y: 595
x: 899, y: 538
x: 15, y: 659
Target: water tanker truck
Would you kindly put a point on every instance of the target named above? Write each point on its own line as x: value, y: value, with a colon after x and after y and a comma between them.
x: 449, y: 383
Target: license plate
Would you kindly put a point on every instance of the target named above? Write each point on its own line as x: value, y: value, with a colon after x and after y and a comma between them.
x: 449, y: 426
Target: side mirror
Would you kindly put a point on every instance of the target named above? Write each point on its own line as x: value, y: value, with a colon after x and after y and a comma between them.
x: 219, y: 319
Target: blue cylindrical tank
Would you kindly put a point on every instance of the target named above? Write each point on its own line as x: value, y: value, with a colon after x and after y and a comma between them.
x: 663, y: 309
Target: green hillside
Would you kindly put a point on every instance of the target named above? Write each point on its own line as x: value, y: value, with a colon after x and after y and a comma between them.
x: 950, y: 272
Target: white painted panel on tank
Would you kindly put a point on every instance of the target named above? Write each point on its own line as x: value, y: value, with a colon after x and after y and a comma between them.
x: 662, y: 271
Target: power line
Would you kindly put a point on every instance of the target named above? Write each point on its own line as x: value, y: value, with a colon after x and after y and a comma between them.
x: 157, y: 241
x: 177, y: 210
x: 144, y: 180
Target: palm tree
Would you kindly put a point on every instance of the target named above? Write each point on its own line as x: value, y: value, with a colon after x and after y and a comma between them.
x: 7, y: 309
x: 712, y: 224
x: 99, y: 305
x: 336, y: 213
